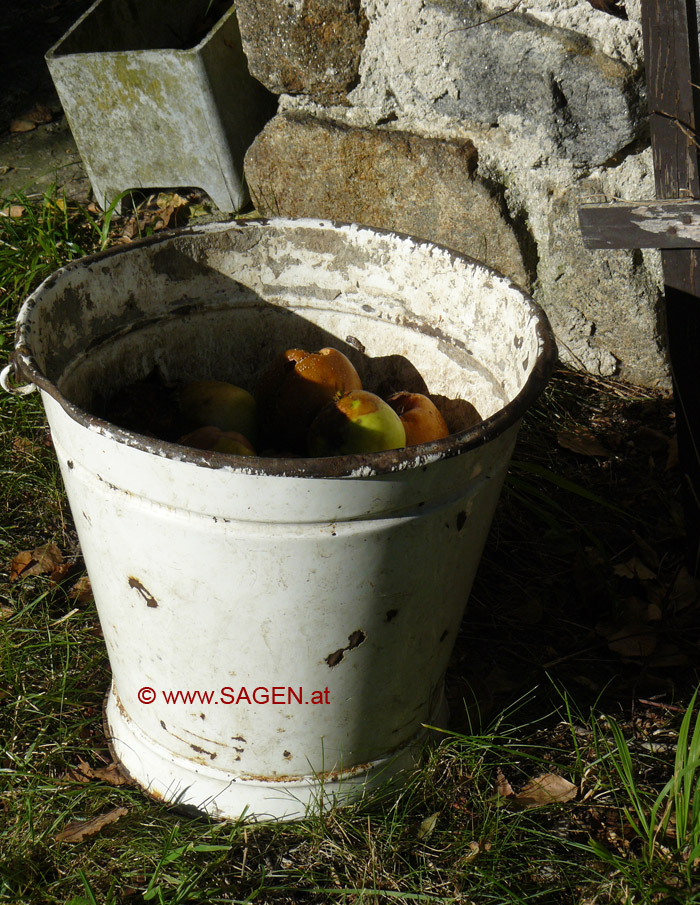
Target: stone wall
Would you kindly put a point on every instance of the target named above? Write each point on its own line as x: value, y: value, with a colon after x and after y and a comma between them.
x: 478, y: 126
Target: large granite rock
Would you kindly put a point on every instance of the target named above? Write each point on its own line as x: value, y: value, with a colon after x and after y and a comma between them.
x: 450, y: 62
x: 551, y: 96
x: 302, y: 166
x: 305, y: 46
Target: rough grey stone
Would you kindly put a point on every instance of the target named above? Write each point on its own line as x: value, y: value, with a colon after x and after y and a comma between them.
x: 302, y: 166
x: 605, y: 305
x: 550, y: 77
x: 514, y: 71
x: 307, y: 47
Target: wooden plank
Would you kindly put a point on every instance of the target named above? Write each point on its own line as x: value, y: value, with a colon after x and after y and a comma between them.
x: 670, y: 32
x: 641, y: 224
x: 669, y: 29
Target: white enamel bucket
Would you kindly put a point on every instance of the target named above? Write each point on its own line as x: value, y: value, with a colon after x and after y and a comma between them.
x: 305, y: 609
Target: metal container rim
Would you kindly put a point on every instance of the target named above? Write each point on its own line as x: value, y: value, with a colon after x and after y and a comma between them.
x: 345, y: 466
x: 55, y: 53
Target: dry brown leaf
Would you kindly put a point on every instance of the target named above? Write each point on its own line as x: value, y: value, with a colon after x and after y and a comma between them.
x: 583, y: 442
x: 633, y: 640
x: 6, y: 611
x: 81, y: 829
x: 672, y: 458
x: 503, y: 787
x: 13, y: 210
x: 39, y: 113
x: 546, y: 789
x: 22, y: 125
x: 111, y: 774
x: 60, y: 572
x: 634, y: 568
x: 81, y: 590
x: 41, y: 561
x: 667, y: 656
x: 23, y: 446
x: 684, y: 590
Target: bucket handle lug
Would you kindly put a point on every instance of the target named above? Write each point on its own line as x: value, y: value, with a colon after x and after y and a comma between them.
x: 7, y: 382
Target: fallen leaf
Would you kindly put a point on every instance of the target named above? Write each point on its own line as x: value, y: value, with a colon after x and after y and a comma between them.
x: 633, y: 640
x: 503, y: 787
x: 6, y: 611
x: 81, y: 829
x: 111, y: 774
x: 647, y: 553
x: 583, y: 442
x: 40, y: 561
x: 81, y: 590
x: 22, y: 125
x: 672, y: 458
x: 684, y: 590
x: 546, y: 789
x: 13, y: 210
x: 634, y: 568
x: 23, y: 446
x: 39, y: 113
x: 29, y: 120
x: 427, y: 826
x: 667, y: 656
x: 60, y: 572
x: 474, y: 851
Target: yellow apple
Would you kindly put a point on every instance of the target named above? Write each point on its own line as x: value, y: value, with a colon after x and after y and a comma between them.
x: 220, y: 404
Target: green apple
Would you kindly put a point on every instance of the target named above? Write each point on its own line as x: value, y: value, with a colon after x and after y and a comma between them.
x: 221, y: 404
x: 357, y: 422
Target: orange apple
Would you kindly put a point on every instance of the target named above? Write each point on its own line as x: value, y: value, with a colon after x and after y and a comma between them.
x: 213, y: 438
x: 357, y: 422
x: 295, y: 387
x: 420, y: 417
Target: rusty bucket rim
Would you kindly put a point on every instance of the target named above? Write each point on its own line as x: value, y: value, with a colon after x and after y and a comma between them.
x: 366, y: 465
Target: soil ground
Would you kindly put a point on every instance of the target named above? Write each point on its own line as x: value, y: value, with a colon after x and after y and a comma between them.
x: 31, y: 161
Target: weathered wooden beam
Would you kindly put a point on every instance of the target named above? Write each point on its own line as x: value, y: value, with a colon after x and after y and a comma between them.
x: 669, y: 29
x: 641, y: 224
x: 670, y: 32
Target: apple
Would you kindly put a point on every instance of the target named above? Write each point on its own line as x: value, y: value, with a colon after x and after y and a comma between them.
x: 357, y: 422
x: 296, y: 386
x: 212, y: 437
x: 420, y: 417
x: 219, y: 404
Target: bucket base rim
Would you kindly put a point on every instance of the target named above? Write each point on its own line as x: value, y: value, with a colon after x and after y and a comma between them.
x: 223, y: 795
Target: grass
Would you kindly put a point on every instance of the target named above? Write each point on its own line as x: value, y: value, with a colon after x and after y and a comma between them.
x: 569, y: 664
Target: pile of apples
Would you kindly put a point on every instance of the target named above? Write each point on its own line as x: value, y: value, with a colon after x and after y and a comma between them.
x: 307, y: 404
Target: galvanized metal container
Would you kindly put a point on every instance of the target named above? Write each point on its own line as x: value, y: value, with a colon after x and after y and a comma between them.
x: 316, y: 601
x: 153, y: 103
